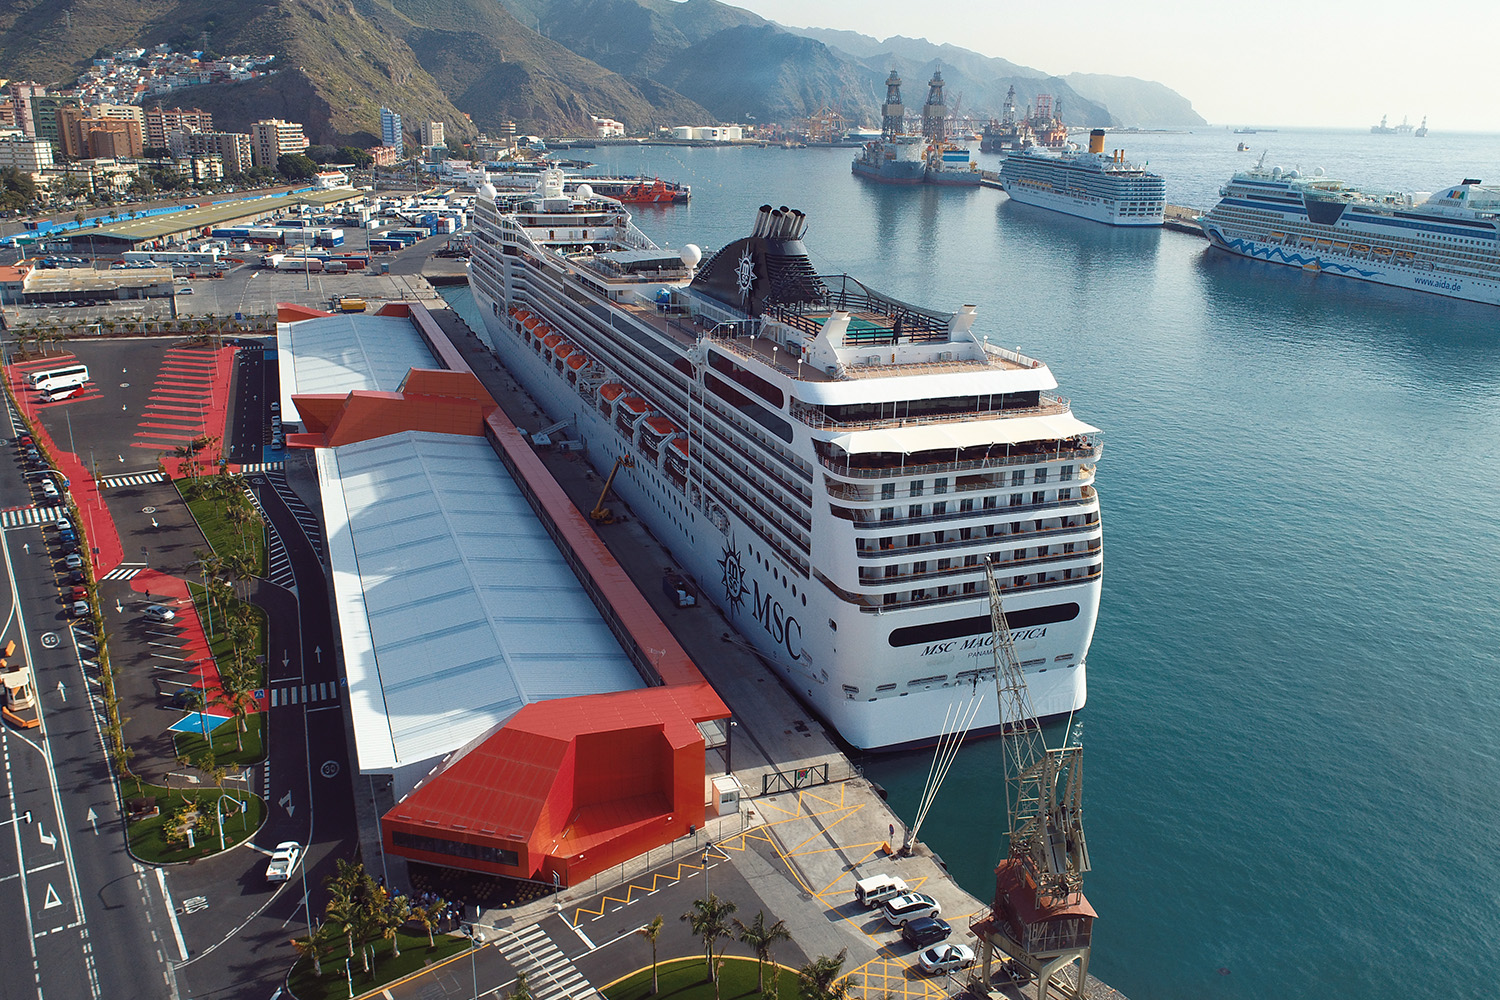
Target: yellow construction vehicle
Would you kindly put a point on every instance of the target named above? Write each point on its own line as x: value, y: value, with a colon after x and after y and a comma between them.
x: 602, y: 514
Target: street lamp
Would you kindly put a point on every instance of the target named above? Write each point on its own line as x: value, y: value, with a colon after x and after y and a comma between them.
x: 476, y: 940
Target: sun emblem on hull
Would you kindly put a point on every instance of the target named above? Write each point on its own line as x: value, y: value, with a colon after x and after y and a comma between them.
x: 734, y: 579
x: 744, y: 273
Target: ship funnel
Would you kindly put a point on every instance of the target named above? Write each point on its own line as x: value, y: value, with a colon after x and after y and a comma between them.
x: 799, y: 224
x: 773, y: 226
x: 1096, y: 141
x: 762, y: 221
x: 784, y: 223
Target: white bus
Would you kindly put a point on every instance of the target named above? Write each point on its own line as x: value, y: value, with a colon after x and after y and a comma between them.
x: 37, y: 378
x: 70, y: 379
x: 59, y: 393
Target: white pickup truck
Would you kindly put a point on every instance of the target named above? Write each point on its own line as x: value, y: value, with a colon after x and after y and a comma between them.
x: 284, y: 861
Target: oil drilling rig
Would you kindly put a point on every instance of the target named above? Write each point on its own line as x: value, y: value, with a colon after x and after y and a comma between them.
x: 1040, y: 919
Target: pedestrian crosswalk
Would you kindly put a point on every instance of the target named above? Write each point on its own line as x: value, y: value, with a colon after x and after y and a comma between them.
x: 20, y: 517
x: 305, y: 517
x: 278, y: 562
x: 136, y: 479
x: 122, y: 573
x: 549, y: 973
x: 305, y: 694
x: 261, y: 466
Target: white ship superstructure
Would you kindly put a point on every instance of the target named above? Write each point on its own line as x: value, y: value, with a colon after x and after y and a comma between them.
x: 832, y: 466
x: 1091, y: 185
x: 1446, y: 244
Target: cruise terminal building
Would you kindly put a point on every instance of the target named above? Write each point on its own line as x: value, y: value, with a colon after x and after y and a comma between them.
x: 532, y: 714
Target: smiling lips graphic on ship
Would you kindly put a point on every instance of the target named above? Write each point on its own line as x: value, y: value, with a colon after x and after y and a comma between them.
x: 842, y: 462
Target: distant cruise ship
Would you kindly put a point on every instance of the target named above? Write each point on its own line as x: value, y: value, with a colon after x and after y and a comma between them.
x: 1089, y: 185
x: 832, y: 465
x: 1447, y: 244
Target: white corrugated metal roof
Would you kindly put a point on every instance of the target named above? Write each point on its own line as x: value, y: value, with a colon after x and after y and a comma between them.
x: 455, y: 606
x: 343, y: 353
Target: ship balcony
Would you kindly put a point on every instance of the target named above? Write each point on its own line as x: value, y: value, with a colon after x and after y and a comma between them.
x: 1079, y: 526
x: 997, y: 484
x: 881, y: 603
x: 1000, y: 559
x: 881, y: 465
x: 1085, y: 497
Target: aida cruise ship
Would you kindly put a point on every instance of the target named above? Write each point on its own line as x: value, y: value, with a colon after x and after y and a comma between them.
x: 1445, y: 244
x: 831, y: 465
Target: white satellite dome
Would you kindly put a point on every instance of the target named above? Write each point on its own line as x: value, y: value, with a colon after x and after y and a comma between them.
x: 691, y: 255
x: 585, y: 191
x: 487, y: 191
x: 1317, y: 171
x: 1276, y: 173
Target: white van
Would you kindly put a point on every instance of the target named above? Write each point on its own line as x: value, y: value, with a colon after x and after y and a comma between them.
x: 878, y: 888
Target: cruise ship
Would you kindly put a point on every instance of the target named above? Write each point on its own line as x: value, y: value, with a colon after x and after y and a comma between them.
x: 831, y: 465
x: 1090, y: 185
x: 1446, y: 243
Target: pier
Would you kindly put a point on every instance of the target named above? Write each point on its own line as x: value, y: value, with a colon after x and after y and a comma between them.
x: 1182, y: 219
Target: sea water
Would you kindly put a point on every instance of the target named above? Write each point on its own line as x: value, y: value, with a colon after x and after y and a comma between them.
x: 1291, y: 739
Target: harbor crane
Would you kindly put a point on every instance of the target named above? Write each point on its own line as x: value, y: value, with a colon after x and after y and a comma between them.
x: 1039, y: 918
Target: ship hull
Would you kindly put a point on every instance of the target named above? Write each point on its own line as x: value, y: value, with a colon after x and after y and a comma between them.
x: 954, y: 178
x: 883, y: 681
x: 1093, y: 210
x: 1361, y: 267
x: 894, y: 172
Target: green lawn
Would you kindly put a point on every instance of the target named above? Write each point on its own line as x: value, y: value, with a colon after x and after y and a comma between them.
x: 226, y: 747
x: 222, y: 535
x: 333, y: 985
x: 687, y: 979
x: 149, y: 843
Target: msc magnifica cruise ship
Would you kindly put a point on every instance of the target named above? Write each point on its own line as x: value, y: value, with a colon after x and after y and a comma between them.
x: 833, y: 466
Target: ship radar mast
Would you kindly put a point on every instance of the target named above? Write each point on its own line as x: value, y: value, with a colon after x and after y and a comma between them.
x: 1039, y: 918
x: 893, y: 114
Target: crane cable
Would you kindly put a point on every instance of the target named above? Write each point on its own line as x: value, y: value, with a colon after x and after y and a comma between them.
x: 946, y: 752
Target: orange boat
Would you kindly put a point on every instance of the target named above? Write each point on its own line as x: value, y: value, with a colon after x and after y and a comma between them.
x: 653, y: 192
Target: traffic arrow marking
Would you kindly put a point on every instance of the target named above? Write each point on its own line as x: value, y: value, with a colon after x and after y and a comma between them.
x: 318, y: 652
x: 49, y: 839
x: 62, y: 691
x: 93, y: 819
x: 286, y: 803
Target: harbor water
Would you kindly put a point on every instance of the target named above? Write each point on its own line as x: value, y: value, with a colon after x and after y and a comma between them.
x: 1293, y: 764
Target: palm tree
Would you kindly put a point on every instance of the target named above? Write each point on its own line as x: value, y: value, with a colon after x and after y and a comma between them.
x: 651, y: 932
x: 352, y: 904
x: 819, y: 979
x: 393, y: 916
x: 311, y: 946
x: 709, y: 919
x: 429, y: 916
x: 238, y: 700
x: 761, y: 939
x: 523, y: 988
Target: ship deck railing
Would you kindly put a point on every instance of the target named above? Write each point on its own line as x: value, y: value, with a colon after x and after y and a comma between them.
x: 1005, y: 538
x: 874, y: 604
x: 1087, y: 497
x: 1086, y: 451
x: 814, y: 416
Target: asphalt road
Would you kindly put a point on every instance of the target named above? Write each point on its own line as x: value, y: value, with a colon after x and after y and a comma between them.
x: 234, y: 927
x: 93, y: 923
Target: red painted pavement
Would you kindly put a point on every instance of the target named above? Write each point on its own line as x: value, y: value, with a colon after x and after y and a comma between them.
x: 170, y: 590
x: 103, y: 538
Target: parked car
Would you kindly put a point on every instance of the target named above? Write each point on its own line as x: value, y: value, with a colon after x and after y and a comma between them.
x: 81, y: 609
x: 184, y: 291
x: 284, y: 861
x: 73, y: 561
x: 63, y: 524
x: 49, y: 489
x: 947, y: 957
x: 877, y: 889
x: 925, y: 931
x: 160, y: 613
x: 899, y: 909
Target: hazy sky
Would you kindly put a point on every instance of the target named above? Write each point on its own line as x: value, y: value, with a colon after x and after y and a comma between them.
x: 1335, y: 63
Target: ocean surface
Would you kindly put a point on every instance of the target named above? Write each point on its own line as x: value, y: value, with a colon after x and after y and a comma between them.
x: 1292, y: 745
